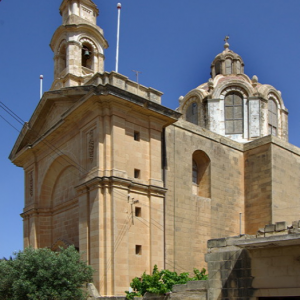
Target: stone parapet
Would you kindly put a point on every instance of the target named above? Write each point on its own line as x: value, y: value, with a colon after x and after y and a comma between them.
x: 279, y: 228
x: 278, y: 232
x: 126, y: 84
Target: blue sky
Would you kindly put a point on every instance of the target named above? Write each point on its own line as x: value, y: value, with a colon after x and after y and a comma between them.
x: 171, y: 42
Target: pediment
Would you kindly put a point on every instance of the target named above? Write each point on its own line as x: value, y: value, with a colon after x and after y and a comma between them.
x: 53, y: 116
x: 49, y: 112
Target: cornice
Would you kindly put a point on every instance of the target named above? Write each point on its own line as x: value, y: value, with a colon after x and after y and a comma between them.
x: 120, y: 183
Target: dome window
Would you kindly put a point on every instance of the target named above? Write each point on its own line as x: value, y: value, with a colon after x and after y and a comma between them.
x: 218, y: 68
x: 192, y: 113
x: 272, y: 117
x: 233, y: 113
x: 228, y: 66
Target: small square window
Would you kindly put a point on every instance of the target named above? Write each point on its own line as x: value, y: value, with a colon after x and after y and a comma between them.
x: 138, y: 249
x: 136, y: 136
x: 138, y: 211
x: 137, y: 173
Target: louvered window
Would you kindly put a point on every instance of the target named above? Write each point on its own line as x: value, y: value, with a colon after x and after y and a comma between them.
x: 192, y: 113
x: 218, y: 68
x: 272, y: 116
x: 228, y: 66
x: 233, y: 113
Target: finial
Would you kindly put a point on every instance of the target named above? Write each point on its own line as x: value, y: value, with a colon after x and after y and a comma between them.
x: 254, y: 80
x: 226, y: 45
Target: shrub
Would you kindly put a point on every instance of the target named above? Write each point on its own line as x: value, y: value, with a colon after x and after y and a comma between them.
x: 41, y: 274
x: 161, y: 282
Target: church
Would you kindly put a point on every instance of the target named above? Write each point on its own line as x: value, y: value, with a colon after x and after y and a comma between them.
x: 131, y: 183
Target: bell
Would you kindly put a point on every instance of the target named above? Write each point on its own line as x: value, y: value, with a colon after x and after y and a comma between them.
x: 86, y: 53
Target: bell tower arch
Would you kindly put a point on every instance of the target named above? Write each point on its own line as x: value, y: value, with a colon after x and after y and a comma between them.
x: 78, y: 44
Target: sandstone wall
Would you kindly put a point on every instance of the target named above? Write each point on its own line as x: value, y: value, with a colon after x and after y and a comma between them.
x: 191, y: 219
x: 272, y: 182
x: 258, y: 188
x: 285, y: 183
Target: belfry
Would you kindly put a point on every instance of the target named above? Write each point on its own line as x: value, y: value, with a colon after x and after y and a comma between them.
x: 132, y: 183
x: 78, y: 44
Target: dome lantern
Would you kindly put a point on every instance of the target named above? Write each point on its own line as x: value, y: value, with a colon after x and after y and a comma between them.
x: 227, y: 62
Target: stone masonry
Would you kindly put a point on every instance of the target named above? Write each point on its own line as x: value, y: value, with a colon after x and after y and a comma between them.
x: 132, y: 183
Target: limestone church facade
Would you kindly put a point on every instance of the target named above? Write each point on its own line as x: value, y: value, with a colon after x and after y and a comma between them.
x: 132, y: 183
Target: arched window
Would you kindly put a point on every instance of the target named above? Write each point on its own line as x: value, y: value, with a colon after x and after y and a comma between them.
x: 201, y: 176
x: 62, y: 58
x: 192, y: 113
x: 272, y: 117
x: 228, y: 66
x: 233, y: 113
x: 218, y: 67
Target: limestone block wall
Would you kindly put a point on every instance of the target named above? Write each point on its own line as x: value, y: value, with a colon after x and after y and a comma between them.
x: 190, y: 291
x: 190, y: 219
x: 272, y: 182
x: 53, y: 194
x: 65, y: 226
x: 249, y: 267
x: 286, y: 182
x: 258, y: 188
x: 124, y: 143
x: 229, y: 271
x: 137, y: 238
x: 276, y: 268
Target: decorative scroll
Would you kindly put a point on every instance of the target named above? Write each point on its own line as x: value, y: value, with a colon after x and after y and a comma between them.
x: 31, y: 184
x: 91, y: 145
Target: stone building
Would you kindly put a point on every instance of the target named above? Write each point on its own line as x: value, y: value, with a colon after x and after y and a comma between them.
x: 132, y: 183
x: 248, y: 267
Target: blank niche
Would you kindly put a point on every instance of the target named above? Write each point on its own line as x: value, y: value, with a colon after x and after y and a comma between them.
x: 201, y: 173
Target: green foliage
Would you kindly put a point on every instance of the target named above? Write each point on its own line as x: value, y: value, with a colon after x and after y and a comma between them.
x: 200, y: 275
x: 41, y: 274
x: 161, y: 282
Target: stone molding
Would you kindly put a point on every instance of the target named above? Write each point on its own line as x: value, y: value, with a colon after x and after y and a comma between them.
x: 121, y: 183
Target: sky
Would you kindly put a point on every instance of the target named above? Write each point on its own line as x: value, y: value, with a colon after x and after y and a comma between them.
x: 172, y: 44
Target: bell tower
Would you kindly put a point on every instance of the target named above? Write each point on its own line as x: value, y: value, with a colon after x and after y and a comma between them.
x: 78, y: 44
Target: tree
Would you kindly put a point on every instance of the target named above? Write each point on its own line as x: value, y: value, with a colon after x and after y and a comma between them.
x: 161, y: 282
x: 41, y: 274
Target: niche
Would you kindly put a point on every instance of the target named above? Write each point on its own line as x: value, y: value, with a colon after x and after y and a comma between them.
x: 201, y: 174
